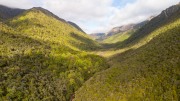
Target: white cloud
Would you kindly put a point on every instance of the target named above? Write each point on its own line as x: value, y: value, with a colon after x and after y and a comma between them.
x: 139, y: 11
x: 81, y: 8
x: 25, y: 4
x: 101, y: 16
x: 97, y: 15
x: 85, y: 13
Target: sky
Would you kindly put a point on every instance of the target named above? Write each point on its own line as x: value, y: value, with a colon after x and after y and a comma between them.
x: 96, y: 16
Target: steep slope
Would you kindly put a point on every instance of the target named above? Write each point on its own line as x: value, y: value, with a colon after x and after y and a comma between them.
x: 141, y: 36
x: 7, y: 13
x: 150, y: 72
x: 120, y: 37
x: 44, y: 59
x: 32, y: 23
x: 48, y: 13
x: 125, y: 31
x: 120, y: 29
x: 128, y: 27
x: 76, y: 26
x: 165, y: 17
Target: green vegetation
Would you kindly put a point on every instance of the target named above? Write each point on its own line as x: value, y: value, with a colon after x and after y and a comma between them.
x: 120, y: 37
x: 42, y: 58
x: 33, y: 24
x: 148, y: 70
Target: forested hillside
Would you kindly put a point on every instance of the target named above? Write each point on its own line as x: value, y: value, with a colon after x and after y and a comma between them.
x: 43, y: 58
x: 148, y: 71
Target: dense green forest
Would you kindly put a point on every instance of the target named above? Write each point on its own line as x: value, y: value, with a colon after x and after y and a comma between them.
x: 149, y: 70
x: 45, y: 58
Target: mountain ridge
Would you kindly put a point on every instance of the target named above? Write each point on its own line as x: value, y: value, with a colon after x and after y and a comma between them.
x: 9, y: 13
x: 76, y: 26
x: 44, y: 57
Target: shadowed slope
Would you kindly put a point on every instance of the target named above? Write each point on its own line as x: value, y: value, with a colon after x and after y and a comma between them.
x: 8, y: 13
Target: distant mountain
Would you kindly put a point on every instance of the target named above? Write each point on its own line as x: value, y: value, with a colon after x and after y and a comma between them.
x: 139, y: 25
x: 120, y: 29
x: 98, y: 36
x: 123, y: 32
x: 76, y: 26
x: 167, y: 15
x: 119, y: 37
x: 7, y: 12
x: 117, y: 30
x: 128, y: 27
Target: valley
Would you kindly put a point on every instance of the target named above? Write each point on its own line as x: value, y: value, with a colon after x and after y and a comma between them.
x: 46, y: 58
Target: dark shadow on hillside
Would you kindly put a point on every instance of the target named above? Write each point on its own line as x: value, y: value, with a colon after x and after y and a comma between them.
x: 15, y: 38
x: 158, y: 46
x: 85, y: 43
x: 147, y: 29
x: 122, y: 56
x: 27, y: 23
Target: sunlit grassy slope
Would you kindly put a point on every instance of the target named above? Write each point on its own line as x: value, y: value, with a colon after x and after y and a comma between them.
x: 149, y: 70
x: 118, y: 37
x: 43, y: 58
x: 41, y: 26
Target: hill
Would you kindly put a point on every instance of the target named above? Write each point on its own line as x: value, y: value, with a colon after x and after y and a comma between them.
x: 54, y: 29
x: 44, y: 59
x: 110, y: 37
x: 165, y: 17
x: 76, y: 26
x: 128, y: 27
x: 123, y: 32
x: 120, y: 29
x: 149, y: 71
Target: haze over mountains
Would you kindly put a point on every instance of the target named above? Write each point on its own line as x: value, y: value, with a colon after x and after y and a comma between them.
x: 46, y: 58
x: 120, y: 29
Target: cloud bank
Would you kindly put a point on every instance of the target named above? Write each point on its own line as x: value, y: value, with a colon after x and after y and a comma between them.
x: 98, y: 15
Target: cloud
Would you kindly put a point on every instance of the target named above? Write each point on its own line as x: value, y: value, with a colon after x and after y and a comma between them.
x: 81, y: 8
x: 102, y: 15
x: 139, y: 11
x: 89, y: 14
x: 25, y: 4
x: 98, y: 15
